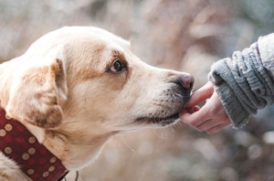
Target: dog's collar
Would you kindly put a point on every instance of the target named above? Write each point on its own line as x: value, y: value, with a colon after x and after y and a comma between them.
x: 34, y: 159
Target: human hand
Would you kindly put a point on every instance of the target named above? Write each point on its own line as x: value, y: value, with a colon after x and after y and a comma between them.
x: 211, y: 117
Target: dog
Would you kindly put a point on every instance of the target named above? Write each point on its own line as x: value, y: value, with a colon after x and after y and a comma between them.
x: 76, y: 87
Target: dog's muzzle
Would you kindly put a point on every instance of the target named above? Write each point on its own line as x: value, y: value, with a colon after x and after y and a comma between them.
x: 175, y: 100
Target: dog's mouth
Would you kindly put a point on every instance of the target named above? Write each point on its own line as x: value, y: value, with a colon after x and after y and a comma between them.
x: 163, y: 121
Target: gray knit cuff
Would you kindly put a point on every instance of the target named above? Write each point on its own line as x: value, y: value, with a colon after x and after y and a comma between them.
x: 245, y: 82
x: 220, y: 76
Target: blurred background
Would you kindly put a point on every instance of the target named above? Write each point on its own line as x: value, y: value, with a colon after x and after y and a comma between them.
x: 186, y: 35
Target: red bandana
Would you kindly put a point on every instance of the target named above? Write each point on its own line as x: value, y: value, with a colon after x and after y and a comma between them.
x: 34, y: 159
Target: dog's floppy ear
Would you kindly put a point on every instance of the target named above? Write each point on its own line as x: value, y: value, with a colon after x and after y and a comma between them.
x: 37, y: 94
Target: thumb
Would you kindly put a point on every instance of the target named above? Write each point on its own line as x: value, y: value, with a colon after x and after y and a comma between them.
x: 201, y: 94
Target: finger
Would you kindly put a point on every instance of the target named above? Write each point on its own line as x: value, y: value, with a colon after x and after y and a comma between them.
x: 186, y: 118
x: 196, y: 118
x: 193, y: 109
x: 207, y: 125
x: 217, y: 128
x: 201, y: 94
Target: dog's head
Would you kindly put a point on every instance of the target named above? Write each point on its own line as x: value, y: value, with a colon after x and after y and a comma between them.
x: 88, y: 81
x: 90, y: 76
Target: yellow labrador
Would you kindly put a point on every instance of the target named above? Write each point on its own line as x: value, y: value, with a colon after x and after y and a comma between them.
x: 76, y: 87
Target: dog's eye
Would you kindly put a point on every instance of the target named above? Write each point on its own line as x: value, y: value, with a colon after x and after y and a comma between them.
x: 118, y: 66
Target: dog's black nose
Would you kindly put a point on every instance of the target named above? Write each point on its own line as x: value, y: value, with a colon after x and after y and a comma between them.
x: 186, y: 81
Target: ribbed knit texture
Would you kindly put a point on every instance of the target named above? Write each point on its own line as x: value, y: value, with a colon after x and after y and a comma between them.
x: 245, y: 82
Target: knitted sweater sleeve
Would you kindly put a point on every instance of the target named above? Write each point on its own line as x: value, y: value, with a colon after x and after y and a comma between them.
x: 245, y: 82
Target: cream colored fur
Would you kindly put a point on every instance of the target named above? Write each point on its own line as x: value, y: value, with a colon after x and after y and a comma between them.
x: 62, y: 91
